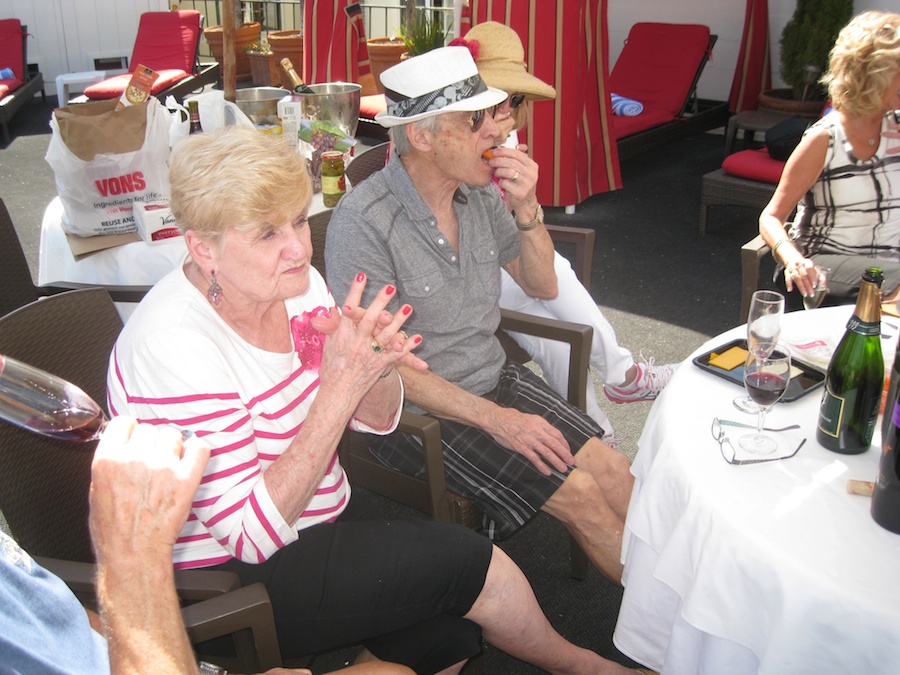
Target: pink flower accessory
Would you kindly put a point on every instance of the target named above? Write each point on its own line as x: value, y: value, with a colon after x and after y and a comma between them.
x: 307, y: 340
x: 471, y: 45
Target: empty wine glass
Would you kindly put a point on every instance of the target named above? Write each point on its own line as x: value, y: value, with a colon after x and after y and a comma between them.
x: 766, y: 377
x: 820, y: 290
x: 46, y: 404
x: 763, y: 331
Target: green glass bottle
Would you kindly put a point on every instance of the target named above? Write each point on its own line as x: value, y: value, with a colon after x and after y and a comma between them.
x: 855, y: 380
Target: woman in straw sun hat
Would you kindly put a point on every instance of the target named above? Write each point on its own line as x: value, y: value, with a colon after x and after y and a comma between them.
x: 500, y: 57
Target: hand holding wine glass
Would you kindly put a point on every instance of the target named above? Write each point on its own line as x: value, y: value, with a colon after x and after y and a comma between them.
x: 820, y: 289
x: 766, y: 377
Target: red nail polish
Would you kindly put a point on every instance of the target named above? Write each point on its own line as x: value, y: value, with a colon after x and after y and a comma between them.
x: 390, y: 290
x: 360, y: 277
x: 407, y: 309
x: 417, y: 339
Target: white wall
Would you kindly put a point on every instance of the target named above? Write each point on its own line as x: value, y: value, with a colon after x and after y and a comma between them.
x: 67, y: 33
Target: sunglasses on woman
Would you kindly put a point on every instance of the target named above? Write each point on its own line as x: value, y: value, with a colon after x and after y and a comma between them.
x: 515, y: 100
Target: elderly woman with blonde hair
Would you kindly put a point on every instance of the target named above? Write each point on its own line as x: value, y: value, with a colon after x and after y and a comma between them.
x: 244, y: 345
x: 844, y: 176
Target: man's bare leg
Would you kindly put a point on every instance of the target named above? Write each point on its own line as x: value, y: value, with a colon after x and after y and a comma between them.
x: 592, y: 504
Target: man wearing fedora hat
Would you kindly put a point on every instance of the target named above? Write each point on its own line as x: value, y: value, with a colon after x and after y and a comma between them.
x: 432, y: 225
x: 500, y: 57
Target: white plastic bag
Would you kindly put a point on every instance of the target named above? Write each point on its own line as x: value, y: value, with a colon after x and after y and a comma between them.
x: 215, y: 112
x: 104, y: 160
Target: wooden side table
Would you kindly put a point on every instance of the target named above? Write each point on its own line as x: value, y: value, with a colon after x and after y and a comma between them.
x: 750, y: 121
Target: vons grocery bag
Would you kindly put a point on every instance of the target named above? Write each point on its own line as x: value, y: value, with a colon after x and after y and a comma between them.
x: 105, y: 160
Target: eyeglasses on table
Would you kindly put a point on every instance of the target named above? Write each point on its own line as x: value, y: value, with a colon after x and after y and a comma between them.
x: 727, y: 449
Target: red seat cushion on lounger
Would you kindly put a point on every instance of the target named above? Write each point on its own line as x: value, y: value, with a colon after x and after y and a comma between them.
x: 657, y: 68
x: 165, y: 42
x: 754, y: 164
x: 114, y: 86
x: 369, y: 106
x: 11, y: 55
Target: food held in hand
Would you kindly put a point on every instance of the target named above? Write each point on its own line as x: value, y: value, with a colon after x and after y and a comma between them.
x: 488, y: 154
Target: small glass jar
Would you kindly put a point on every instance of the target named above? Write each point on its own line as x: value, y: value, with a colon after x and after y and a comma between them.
x: 333, y: 183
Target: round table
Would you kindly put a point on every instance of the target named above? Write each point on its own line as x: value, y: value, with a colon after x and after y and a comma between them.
x: 765, y: 568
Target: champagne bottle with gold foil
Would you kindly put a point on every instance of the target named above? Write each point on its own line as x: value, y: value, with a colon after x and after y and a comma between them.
x: 299, y: 86
x: 855, y: 380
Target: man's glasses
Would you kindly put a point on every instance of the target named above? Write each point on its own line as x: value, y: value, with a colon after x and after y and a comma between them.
x: 476, y: 119
x: 727, y: 449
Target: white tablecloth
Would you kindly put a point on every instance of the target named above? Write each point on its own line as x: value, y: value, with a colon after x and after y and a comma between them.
x: 770, y: 568
x: 136, y: 265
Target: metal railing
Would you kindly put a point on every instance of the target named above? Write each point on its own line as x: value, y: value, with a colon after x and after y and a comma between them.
x: 380, y: 19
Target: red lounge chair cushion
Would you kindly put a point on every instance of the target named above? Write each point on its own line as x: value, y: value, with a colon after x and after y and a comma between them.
x: 11, y: 54
x: 658, y: 64
x: 7, y: 86
x: 626, y: 126
x: 657, y: 67
x: 114, y: 86
x: 165, y: 42
x: 755, y: 165
x: 369, y: 106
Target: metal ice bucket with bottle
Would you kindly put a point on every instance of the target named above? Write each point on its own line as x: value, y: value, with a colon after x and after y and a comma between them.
x: 321, y: 121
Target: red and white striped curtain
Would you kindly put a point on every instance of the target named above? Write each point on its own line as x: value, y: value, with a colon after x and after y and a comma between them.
x: 334, y: 42
x: 569, y: 137
x: 753, y: 73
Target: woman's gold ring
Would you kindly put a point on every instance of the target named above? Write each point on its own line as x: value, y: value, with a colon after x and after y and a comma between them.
x: 403, y: 335
x: 515, y: 177
x: 376, y: 346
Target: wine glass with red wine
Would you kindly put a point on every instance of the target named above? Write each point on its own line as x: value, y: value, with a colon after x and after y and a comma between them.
x: 763, y: 331
x: 766, y: 377
x: 46, y: 404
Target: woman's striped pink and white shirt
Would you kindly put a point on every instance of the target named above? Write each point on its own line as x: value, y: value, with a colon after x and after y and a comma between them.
x: 177, y: 362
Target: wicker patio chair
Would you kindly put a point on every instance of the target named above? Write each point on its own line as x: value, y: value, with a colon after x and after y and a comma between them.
x: 44, y: 482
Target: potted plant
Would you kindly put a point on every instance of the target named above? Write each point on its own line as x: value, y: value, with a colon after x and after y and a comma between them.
x: 384, y: 52
x: 245, y: 35
x: 287, y: 44
x: 806, y: 42
x: 424, y: 33
x: 264, y: 69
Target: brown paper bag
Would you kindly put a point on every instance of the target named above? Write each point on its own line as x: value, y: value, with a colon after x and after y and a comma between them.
x: 91, y: 129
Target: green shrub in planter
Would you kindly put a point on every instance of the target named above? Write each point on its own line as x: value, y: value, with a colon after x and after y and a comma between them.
x: 807, y: 40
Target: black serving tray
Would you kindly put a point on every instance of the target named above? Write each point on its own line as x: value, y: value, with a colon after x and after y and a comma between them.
x: 801, y: 384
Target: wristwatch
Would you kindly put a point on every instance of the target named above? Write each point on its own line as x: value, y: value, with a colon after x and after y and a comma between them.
x: 538, y: 220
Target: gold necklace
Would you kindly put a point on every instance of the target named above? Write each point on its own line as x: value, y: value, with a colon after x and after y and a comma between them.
x: 869, y: 140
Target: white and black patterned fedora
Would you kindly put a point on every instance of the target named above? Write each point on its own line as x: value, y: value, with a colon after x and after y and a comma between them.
x: 436, y: 82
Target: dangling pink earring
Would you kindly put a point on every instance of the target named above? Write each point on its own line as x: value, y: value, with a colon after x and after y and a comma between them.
x: 214, y: 293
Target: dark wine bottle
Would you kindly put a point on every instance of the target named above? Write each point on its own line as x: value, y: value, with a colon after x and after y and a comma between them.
x: 886, y: 498
x: 194, y: 112
x: 299, y: 86
x: 855, y: 379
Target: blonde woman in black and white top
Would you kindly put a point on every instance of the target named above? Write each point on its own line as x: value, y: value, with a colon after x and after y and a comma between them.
x: 844, y: 176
